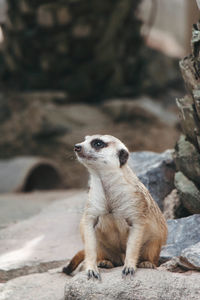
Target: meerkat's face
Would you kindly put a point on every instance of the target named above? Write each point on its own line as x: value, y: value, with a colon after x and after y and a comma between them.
x: 102, y: 151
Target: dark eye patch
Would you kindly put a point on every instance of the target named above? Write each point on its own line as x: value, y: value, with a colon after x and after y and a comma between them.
x: 98, y: 144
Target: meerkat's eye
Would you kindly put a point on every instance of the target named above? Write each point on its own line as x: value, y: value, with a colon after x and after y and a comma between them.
x: 98, y: 144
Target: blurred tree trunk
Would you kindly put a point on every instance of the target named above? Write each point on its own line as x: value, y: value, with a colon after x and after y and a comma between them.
x: 89, y: 48
x: 187, y: 155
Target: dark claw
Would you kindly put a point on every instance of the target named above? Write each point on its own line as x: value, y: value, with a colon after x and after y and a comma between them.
x: 126, y: 271
x: 67, y: 270
x: 93, y: 274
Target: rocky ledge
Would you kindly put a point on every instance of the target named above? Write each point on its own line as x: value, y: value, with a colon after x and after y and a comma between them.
x: 147, y: 284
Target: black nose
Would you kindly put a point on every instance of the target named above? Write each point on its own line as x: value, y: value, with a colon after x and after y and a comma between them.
x: 77, y: 148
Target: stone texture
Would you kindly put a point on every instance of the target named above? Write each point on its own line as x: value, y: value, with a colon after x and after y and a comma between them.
x: 187, y: 159
x: 147, y: 284
x: 182, y: 233
x: 196, y: 95
x: 172, y: 207
x: 190, y: 257
x: 156, y: 171
x: 187, y: 155
x: 188, y: 192
x: 188, y: 118
x: 172, y: 265
x: 43, y: 241
x: 43, y: 286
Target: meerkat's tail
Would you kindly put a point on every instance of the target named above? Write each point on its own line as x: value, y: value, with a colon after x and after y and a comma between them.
x: 74, y: 262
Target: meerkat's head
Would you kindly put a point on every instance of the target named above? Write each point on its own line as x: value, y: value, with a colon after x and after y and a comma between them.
x: 102, y: 151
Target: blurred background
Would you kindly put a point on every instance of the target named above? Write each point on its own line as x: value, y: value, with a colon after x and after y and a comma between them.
x: 70, y: 68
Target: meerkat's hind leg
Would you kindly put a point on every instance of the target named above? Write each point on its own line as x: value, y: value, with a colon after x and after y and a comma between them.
x: 107, y: 264
x: 147, y: 265
x: 150, y: 254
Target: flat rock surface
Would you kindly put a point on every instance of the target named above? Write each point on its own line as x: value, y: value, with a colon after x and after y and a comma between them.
x: 20, y: 206
x: 147, y: 284
x: 45, y: 286
x: 182, y: 233
x: 48, y: 237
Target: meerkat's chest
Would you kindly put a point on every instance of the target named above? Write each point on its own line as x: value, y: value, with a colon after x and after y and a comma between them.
x: 112, y: 202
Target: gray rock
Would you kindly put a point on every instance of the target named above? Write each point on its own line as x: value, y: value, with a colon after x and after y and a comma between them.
x: 196, y: 95
x: 190, y: 257
x: 49, y: 285
x: 156, y: 171
x: 147, y: 284
x: 188, y: 193
x: 171, y: 205
x: 187, y: 159
x: 171, y: 265
x: 182, y: 233
x: 188, y: 118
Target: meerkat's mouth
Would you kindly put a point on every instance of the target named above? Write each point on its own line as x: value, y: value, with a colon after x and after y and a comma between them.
x: 84, y: 156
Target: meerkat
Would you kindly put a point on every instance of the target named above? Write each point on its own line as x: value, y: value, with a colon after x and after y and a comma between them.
x: 121, y: 223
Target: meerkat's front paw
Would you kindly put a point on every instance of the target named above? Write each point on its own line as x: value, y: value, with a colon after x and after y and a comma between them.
x: 128, y: 271
x: 93, y: 273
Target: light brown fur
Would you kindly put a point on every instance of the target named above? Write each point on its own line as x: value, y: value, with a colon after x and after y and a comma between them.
x: 121, y: 224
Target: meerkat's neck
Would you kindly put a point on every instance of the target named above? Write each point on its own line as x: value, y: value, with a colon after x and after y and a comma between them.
x: 108, y: 188
x: 112, y: 177
x: 112, y: 183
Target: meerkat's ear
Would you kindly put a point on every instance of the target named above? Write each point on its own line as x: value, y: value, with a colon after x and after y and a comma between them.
x: 123, y: 157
